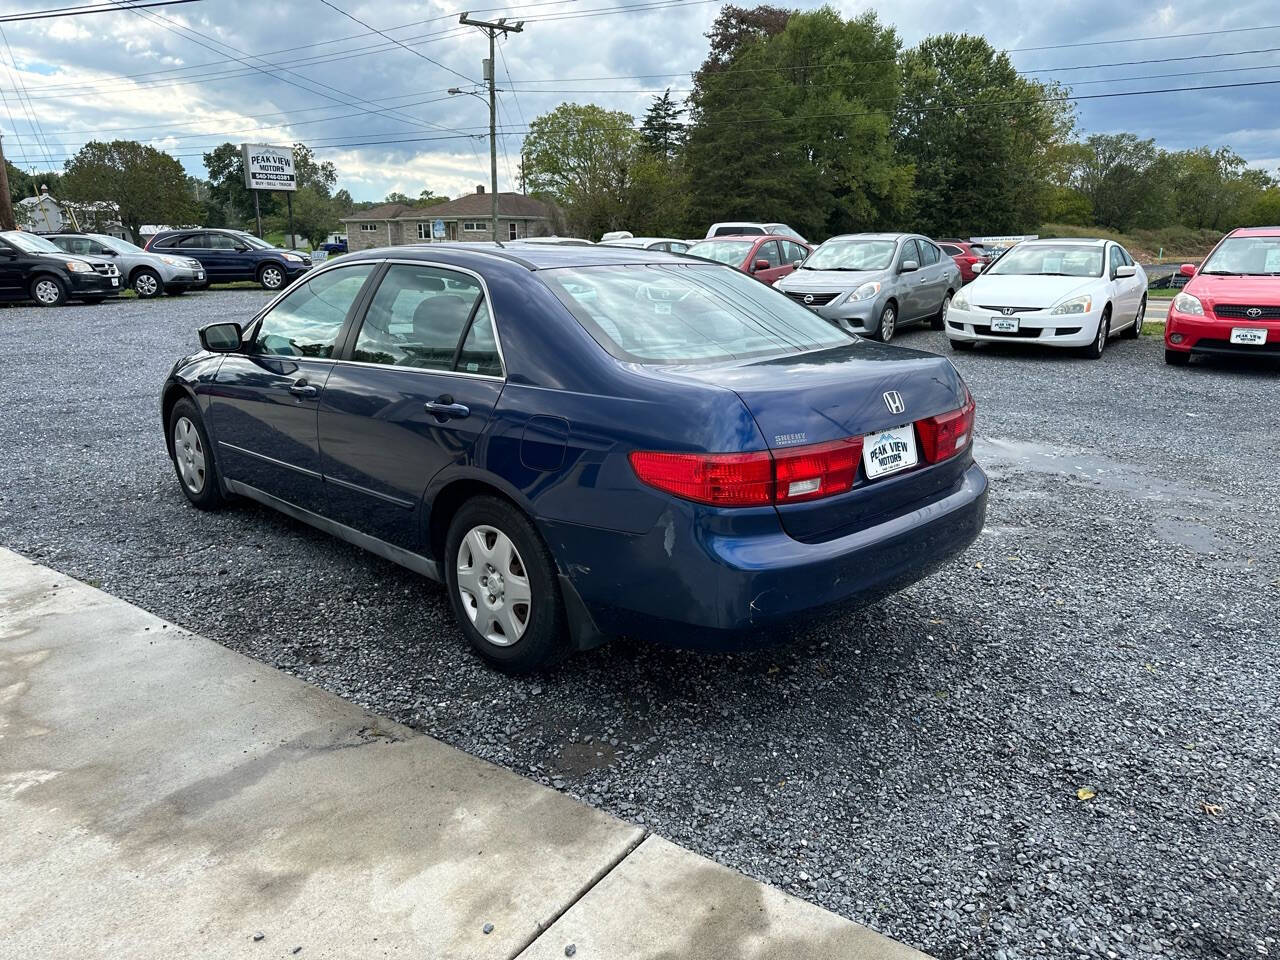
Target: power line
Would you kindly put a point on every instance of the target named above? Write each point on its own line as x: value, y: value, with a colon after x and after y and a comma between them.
x: 416, y: 53
x: 82, y: 10
x: 1167, y: 36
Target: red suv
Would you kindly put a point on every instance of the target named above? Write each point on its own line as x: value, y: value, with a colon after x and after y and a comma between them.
x: 966, y: 255
x: 767, y: 258
x: 1231, y: 305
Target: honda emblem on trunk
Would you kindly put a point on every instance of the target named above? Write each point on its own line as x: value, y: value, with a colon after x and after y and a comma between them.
x: 893, y: 400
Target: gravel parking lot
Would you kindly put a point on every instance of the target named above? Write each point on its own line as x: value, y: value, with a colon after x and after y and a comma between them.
x: 1065, y: 743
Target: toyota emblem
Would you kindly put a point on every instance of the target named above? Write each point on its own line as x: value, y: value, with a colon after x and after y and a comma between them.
x: 808, y: 298
x: 893, y: 400
x: 1254, y: 312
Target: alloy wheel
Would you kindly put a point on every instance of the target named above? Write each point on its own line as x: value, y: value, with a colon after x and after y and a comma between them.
x: 47, y: 292
x: 272, y: 278
x: 494, y: 585
x: 188, y: 453
x: 888, y: 321
x: 146, y: 285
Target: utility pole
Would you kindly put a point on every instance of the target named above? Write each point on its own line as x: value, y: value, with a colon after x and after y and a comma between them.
x: 7, y: 221
x: 493, y: 28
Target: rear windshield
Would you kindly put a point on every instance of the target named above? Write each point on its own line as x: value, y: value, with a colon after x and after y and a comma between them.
x: 737, y: 229
x: 677, y: 313
x: 1251, y: 256
x: 732, y: 252
x: 1050, y: 260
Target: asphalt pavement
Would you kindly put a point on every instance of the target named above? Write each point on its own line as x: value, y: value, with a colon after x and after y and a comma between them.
x: 1065, y: 743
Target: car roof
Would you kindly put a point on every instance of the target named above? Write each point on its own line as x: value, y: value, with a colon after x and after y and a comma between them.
x: 532, y: 256
x: 750, y: 237
x: 883, y: 235
x: 1082, y: 241
x: 632, y: 241
x: 1256, y: 232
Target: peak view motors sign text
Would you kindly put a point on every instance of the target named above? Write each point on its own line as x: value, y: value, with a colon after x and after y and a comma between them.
x: 268, y: 168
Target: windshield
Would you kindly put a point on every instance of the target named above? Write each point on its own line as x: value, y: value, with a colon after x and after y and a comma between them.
x: 253, y: 241
x: 732, y: 252
x: 116, y: 244
x: 682, y: 313
x: 1050, y: 260
x: 852, y: 255
x: 1248, y: 256
x: 30, y: 243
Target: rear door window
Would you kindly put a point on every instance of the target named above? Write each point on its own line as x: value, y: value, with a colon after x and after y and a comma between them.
x: 430, y: 318
x: 929, y: 252
x: 194, y: 241
x: 220, y: 241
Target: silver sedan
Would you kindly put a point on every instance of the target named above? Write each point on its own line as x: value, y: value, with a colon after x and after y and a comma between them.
x: 874, y: 283
x: 149, y: 274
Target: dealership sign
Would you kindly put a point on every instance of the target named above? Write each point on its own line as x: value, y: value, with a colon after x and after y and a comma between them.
x: 268, y: 168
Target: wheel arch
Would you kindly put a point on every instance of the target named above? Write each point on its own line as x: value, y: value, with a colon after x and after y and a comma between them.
x: 444, y: 503
x: 174, y: 391
x: 139, y: 269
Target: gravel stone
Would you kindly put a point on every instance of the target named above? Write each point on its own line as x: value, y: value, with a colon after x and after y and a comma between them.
x: 1114, y: 626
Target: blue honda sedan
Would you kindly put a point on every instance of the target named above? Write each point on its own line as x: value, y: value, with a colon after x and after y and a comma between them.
x: 585, y: 441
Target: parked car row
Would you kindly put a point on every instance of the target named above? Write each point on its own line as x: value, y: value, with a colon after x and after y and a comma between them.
x: 52, y: 269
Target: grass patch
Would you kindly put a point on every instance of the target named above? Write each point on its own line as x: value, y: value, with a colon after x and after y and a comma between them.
x: 1152, y: 329
x: 1162, y: 293
x: 1178, y: 243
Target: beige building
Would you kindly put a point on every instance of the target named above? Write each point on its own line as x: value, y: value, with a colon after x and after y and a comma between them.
x: 467, y: 218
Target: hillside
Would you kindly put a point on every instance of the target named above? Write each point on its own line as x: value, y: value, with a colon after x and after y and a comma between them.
x: 1177, y: 243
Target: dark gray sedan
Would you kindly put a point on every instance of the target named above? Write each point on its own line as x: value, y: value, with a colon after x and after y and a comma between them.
x: 874, y: 283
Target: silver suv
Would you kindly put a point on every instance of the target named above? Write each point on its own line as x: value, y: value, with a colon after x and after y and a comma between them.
x: 149, y: 274
x: 874, y: 283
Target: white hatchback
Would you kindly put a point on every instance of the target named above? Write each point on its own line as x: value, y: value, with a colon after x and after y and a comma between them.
x: 1059, y: 293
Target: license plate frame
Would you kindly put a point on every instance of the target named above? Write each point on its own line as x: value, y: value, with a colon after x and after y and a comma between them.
x: 1249, y: 336
x: 889, y: 451
x: 1005, y: 324
x: 115, y: 281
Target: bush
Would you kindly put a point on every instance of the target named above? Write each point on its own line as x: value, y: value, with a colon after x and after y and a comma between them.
x: 1177, y: 242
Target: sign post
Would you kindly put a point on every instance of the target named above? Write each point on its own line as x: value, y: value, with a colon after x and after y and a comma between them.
x: 269, y: 168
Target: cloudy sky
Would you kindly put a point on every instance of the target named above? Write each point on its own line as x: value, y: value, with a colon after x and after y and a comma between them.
x: 189, y: 76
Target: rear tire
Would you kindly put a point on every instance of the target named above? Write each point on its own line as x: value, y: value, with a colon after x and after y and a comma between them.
x: 1177, y: 358
x: 48, y: 291
x: 147, y: 284
x: 192, y: 456
x: 887, y: 326
x: 1135, y: 329
x: 939, y: 320
x: 519, y: 625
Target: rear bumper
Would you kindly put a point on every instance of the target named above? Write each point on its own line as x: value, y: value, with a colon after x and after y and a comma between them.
x: 681, y: 585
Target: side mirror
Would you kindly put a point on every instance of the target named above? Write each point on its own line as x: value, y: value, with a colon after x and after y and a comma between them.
x: 1126, y: 271
x: 242, y: 248
x: 909, y: 266
x: 760, y: 265
x: 795, y: 264
x: 978, y: 267
x: 221, y: 337
x: 1187, y: 269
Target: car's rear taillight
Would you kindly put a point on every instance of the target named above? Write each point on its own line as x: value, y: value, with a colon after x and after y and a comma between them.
x: 721, y: 479
x: 817, y: 470
x: 947, y: 434
x: 753, y: 479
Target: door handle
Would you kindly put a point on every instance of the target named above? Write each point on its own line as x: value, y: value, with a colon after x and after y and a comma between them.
x: 300, y: 388
x: 445, y: 409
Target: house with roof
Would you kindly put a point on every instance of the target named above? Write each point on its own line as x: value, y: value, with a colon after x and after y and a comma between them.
x: 45, y: 214
x: 466, y: 218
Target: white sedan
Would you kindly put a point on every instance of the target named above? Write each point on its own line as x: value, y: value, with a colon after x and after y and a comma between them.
x: 1059, y: 293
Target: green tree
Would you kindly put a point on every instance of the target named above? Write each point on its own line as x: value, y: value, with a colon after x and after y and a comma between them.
x: 226, y: 185
x: 1125, y: 179
x: 981, y: 137
x: 147, y: 185
x: 797, y: 126
x: 584, y: 159
x: 661, y: 129
x: 315, y: 215
x: 1214, y: 189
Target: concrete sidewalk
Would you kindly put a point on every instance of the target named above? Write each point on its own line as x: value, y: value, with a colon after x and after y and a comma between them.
x: 163, y: 796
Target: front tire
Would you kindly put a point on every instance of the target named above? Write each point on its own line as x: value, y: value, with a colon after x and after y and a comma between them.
x: 1095, y: 350
x: 1135, y: 330
x: 48, y: 291
x: 1177, y: 358
x: 147, y: 284
x: 502, y: 586
x: 271, y: 277
x: 193, y: 457
x: 888, y: 324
